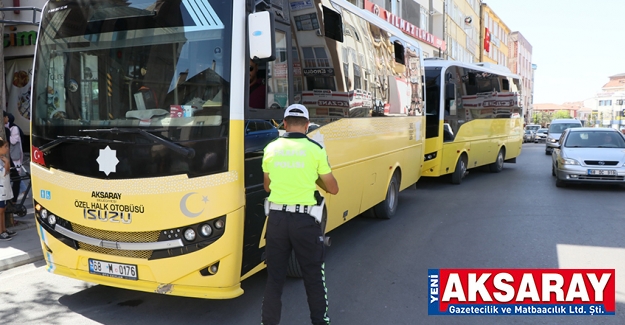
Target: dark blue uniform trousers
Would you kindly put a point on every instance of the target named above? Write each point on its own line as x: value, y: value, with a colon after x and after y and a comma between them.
x: 300, y: 232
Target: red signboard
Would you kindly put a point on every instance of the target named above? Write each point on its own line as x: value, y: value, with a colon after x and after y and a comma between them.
x: 405, y: 26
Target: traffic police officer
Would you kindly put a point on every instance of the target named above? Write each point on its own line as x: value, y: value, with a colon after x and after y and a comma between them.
x: 292, y: 165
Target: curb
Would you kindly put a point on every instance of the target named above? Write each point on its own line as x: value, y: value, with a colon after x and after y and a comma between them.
x: 24, y: 224
x: 26, y: 257
x: 19, y: 260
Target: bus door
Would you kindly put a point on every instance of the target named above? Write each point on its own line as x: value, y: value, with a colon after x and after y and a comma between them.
x: 276, y: 79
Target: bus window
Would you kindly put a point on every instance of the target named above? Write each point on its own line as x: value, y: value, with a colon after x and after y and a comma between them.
x: 432, y: 105
x: 505, y: 84
x: 258, y: 86
x: 399, y: 52
x: 333, y: 24
x: 277, y: 75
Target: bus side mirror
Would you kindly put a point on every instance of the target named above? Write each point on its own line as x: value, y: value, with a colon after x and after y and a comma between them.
x: 261, y: 36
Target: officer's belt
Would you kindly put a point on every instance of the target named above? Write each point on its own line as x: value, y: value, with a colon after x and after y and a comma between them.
x: 293, y: 208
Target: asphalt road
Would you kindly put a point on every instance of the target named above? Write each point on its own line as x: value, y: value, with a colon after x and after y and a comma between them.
x: 376, y: 270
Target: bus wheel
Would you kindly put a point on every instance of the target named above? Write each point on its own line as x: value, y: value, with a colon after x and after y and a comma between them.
x: 497, y: 166
x: 293, y: 270
x: 386, y: 209
x: 461, y: 169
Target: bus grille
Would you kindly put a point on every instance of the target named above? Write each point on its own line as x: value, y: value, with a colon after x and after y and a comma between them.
x: 117, y: 252
x: 127, y: 237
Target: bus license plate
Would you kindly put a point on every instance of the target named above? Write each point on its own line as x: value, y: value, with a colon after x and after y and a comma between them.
x: 602, y: 172
x: 114, y: 270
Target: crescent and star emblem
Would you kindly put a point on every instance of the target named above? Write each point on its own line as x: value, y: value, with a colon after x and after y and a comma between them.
x: 185, y: 210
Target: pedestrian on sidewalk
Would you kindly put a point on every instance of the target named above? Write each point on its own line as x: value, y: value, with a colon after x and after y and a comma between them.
x: 16, y: 152
x: 5, y: 188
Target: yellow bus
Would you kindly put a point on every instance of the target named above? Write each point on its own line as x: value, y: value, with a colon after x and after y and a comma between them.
x: 141, y: 113
x: 473, y: 118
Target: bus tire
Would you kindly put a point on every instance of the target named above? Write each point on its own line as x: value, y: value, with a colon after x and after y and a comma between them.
x: 293, y: 270
x: 387, y: 208
x: 461, y: 169
x: 497, y: 166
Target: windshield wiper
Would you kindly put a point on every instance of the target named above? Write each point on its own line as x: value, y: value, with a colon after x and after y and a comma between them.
x: 188, y: 152
x: 60, y: 139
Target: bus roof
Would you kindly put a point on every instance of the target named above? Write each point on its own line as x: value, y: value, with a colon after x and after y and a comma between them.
x: 480, y: 66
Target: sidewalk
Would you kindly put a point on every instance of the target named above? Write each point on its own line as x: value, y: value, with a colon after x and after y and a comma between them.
x: 25, y: 247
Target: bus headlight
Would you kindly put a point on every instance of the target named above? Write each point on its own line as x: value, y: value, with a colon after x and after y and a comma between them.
x: 44, y: 214
x: 52, y: 219
x: 429, y: 156
x: 189, y: 234
x: 219, y: 224
x: 206, y: 230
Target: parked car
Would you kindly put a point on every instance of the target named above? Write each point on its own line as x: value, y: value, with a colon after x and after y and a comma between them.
x: 556, y: 128
x: 532, y: 127
x: 258, y: 133
x: 540, y: 135
x: 529, y: 136
x: 589, y: 155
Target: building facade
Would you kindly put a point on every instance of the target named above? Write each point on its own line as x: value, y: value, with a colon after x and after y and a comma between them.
x: 494, y: 38
x: 462, y: 30
x: 520, y: 62
x: 543, y: 113
x: 20, y: 35
x: 608, y: 106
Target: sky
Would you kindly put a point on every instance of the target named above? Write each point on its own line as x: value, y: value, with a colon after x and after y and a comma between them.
x: 577, y: 45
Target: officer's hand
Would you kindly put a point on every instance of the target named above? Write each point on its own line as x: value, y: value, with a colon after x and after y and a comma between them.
x: 328, y: 183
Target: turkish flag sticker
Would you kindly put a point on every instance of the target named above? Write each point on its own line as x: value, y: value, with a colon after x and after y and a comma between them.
x: 38, y: 156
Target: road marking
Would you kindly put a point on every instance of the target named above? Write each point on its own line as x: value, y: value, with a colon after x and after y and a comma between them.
x: 595, y: 257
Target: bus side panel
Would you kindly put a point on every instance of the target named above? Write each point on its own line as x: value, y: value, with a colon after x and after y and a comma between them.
x: 413, y: 158
x: 346, y: 204
x: 431, y: 167
x: 450, y: 154
x: 362, y: 153
x: 515, y: 140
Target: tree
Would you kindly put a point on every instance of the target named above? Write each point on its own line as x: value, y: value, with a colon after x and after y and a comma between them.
x: 561, y: 114
x: 541, y: 118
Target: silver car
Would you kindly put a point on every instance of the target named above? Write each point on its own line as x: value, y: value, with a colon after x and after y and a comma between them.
x: 589, y: 155
x: 556, y: 128
x: 540, y: 135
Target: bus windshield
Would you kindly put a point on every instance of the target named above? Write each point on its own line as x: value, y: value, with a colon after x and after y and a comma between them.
x: 159, y: 66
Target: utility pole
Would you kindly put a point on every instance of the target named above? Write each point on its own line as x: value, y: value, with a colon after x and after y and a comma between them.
x: 3, y: 100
